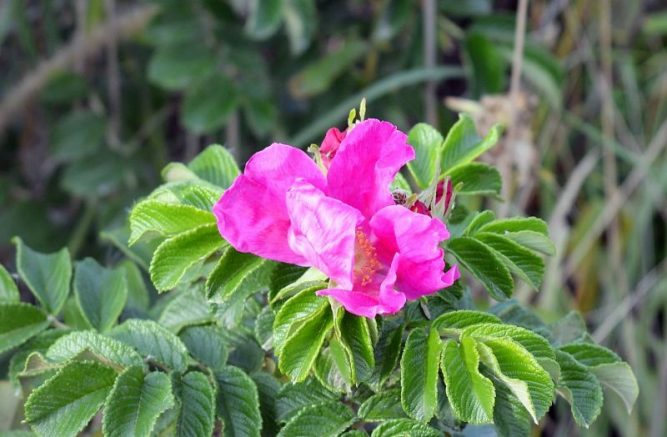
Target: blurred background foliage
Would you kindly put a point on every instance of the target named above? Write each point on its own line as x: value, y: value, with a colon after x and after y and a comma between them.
x: 97, y: 96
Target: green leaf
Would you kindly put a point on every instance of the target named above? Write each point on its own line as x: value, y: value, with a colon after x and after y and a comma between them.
x: 471, y: 395
x: 480, y: 260
x: 104, y: 348
x: 382, y: 406
x: 216, y: 166
x: 356, y: 337
x: 330, y: 419
x: 404, y: 427
x: 486, y: 64
x: 387, y: 353
x: 175, y: 67
x: 620, y: 379
x: 520, y: 372
x: 333, y: 367
x: 427, y: 142
x: 165, y: 219
x: 175, y: 256
x: 78, y: 135
x: 267, y: 389
x: 152, y: 340
x: 18, y: 323
x: 197, y: 398
x: 458, y: 320
x: 264, y: 20
x: 189, y: 308
x: 186, y: 189
x: 479, y: 220
x: 534, y: 343
x: 238, y: 403
x: 238, y: 275
x: 533, y: 241
x: 509, y: 416
x: 65, y: 403
x: 135, y: 403
x: 581, y: 389
x: 295, y: 311
x: 476, y: 178
x: 293, y: 397
x: 462, y: 143
x: 420, y: 365
x: 100, y: 292
x: 46, y: 275
x: 9, y: 292
x: 516, y: 224
x: 591, y: 355
x: 209, y: 104
x: 137, y: 293
x: 303, y: 345
x: 300, y: 18
x: 206, y: 345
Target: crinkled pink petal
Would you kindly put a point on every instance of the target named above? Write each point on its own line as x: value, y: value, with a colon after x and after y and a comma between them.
x: 366, y: 163
x: 323, y: 231
x: 367, y: 303
x: 252, y: 215
x: 416, y: 238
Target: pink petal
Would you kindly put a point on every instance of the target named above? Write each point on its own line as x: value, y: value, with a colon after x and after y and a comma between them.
x: 369, y: 304
x: 323, y: 231
x: 366, y: 163
x: 252, y: 215
x: 330, y: 145
x: 416, y: 238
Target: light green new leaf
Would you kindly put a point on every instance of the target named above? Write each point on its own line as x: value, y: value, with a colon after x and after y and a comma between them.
x: 100, y: 292
x: 463, y: 144
x: 534, y: 343
x: 581, y: 389
x: 534, y: 241
x: 405, y: 427
x: 206, y: 345
x: 303, y: 345
x: 135, y: 403
x: 18, y: 323
x: 480, y: 260
x: 471, y: 395
x: 476, y: 178
x: 46, y: 275
x: 479, y: 220
x: 238, y: 275
x: 65, y: 403
x: 215, y: 165
x: 326, y: 419
x: 197, y: 399
x: 153, y: 340
x: 175, y: 256
x: 520, y: 372
x: 420, y: 365
x: 185, y: 189
x: 458, y: 320
x: 516, y: 224
x: 105, y: 349
x: 237, y: 403
x: 165, y: 219
x: 209, y: 103
x: 523, y: 262
x: 9, y: 292
x: 427, y: 142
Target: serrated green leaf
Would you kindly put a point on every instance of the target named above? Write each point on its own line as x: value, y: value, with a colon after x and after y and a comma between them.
x: 330, y: 419
x: 534, y: 343
x: 427, y: 142
x: 509, y: 416
x: 404, y: 427
x: 189, y: 308
x: 9, y: 292
x: 177, y: 66
x: 520, y: 371
x: 46, y: 275
x: 264, y: 20
x: 479, y: 220
x: 463, y: 144
x: 176, y: 255
x: 591, y: 355
x: 476, y: 178
x: 65, y: 403
x: 480, y: 260
x: 382, y: 406
x: 333, y: 367
x: 581, y: 389
x: 387, y: 353
x: 295, y: 396
x: 206, y: 345
x: 303, y: 345
x: 521, y: 261
x: 197, y: 399
x: 355, y: 335
x: 420, y: 366
x: 244, y: 352
x: 100, y: 292
x: 516, y: 224
x: 461, y: 319
x: 237, y: 275
x: 237, y: 403
x: 154, y: 341
x: 209, y: 103
x: 137, y: 293
x: 533, y: 241
x: 188, y: 190
x: 284, y: 275
x: 215, y: 165
x: 264, y: 328
x: 296, y: 310
x: 135, y: 403
x: 165, y: 219
x: 267, y: 389
x: 620, y: 379
x: 18, y: 323
x: 105, y: 348
x: 471, y: 395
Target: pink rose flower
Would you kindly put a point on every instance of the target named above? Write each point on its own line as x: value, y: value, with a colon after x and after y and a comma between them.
x: 330, y: 145
x: 346, y: 224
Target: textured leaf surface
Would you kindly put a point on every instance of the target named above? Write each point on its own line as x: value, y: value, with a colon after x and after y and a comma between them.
x: 189, y: 308
x: 521, y: 261
x: 238, y: 403
x: 420, y: 365
x: 107, y: 349
x: 356, y: 336
x: 9, y: 292
x: 404, y: 427
x: 463, y: 144
x: 476, y: 178
x: 46, y: 275
x: 581, y: 389
x: 427, y: 142
x: 382, y: 406
x: 216, y: 166
x: 293, y: 397
x: 238, y: 275
x: 100, y: 292
x: 165, y: 219
x: 328, y: 419
x: 18, y: 323
x: 135, y: 403
x: 294, y: 311
x: 197, y: 415
x: 153, y: 340
x: 458, y: 320
x: 206, y: 344
x: 620, y: 379
x: 65, y: 403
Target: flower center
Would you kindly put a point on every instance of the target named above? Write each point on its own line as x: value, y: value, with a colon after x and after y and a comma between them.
x: 366, y: 263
